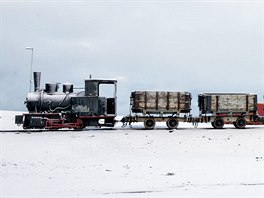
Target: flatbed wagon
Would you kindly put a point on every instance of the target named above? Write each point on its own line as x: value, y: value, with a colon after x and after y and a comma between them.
x: 150, y: 107
x: 228, y: 108
x: 239, y: 109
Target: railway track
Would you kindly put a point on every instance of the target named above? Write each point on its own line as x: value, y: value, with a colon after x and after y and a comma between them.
x: 34, y: 131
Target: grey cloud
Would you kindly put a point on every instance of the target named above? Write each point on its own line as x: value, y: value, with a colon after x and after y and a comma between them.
x: 150, y: 45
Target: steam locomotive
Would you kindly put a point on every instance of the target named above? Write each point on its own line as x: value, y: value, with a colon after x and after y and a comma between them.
x: 50, y: 109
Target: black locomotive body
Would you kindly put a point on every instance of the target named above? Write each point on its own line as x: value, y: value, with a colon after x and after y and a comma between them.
x: 50, y: 109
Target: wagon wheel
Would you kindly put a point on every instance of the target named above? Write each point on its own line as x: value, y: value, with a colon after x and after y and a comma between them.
x: 172, y: 123
x: 149, y: 123
x: 218, y: 123
x: 240, y: 123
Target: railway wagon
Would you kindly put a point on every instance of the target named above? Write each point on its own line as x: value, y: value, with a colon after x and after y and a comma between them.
x: 225, y: 108
x: 261, y: 109
x: 158, y: 106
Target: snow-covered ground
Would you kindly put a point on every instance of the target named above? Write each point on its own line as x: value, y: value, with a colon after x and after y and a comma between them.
x: 187, y: 162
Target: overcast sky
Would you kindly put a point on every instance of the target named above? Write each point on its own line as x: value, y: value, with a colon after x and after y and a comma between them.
x: 196, y: 46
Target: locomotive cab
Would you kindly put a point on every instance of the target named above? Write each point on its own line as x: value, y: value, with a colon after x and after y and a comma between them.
x: 92, y: 103
x: 94, y: 106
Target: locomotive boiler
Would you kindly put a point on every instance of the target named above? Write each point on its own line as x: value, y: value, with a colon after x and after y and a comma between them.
x: 49, y: 99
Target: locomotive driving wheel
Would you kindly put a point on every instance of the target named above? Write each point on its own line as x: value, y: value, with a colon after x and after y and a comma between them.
x: 218, y: 123
x: 172, y: 123
x: 79, y: 124
x: 149, y: 123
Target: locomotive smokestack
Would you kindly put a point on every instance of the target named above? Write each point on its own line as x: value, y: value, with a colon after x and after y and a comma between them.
x: 37, y: 81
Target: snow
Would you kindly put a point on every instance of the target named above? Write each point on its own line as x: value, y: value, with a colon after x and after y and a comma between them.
x: 187, y: 162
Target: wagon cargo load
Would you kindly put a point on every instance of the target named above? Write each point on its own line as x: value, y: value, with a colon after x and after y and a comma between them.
x: 160, y: 102
x: 227, y: 103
